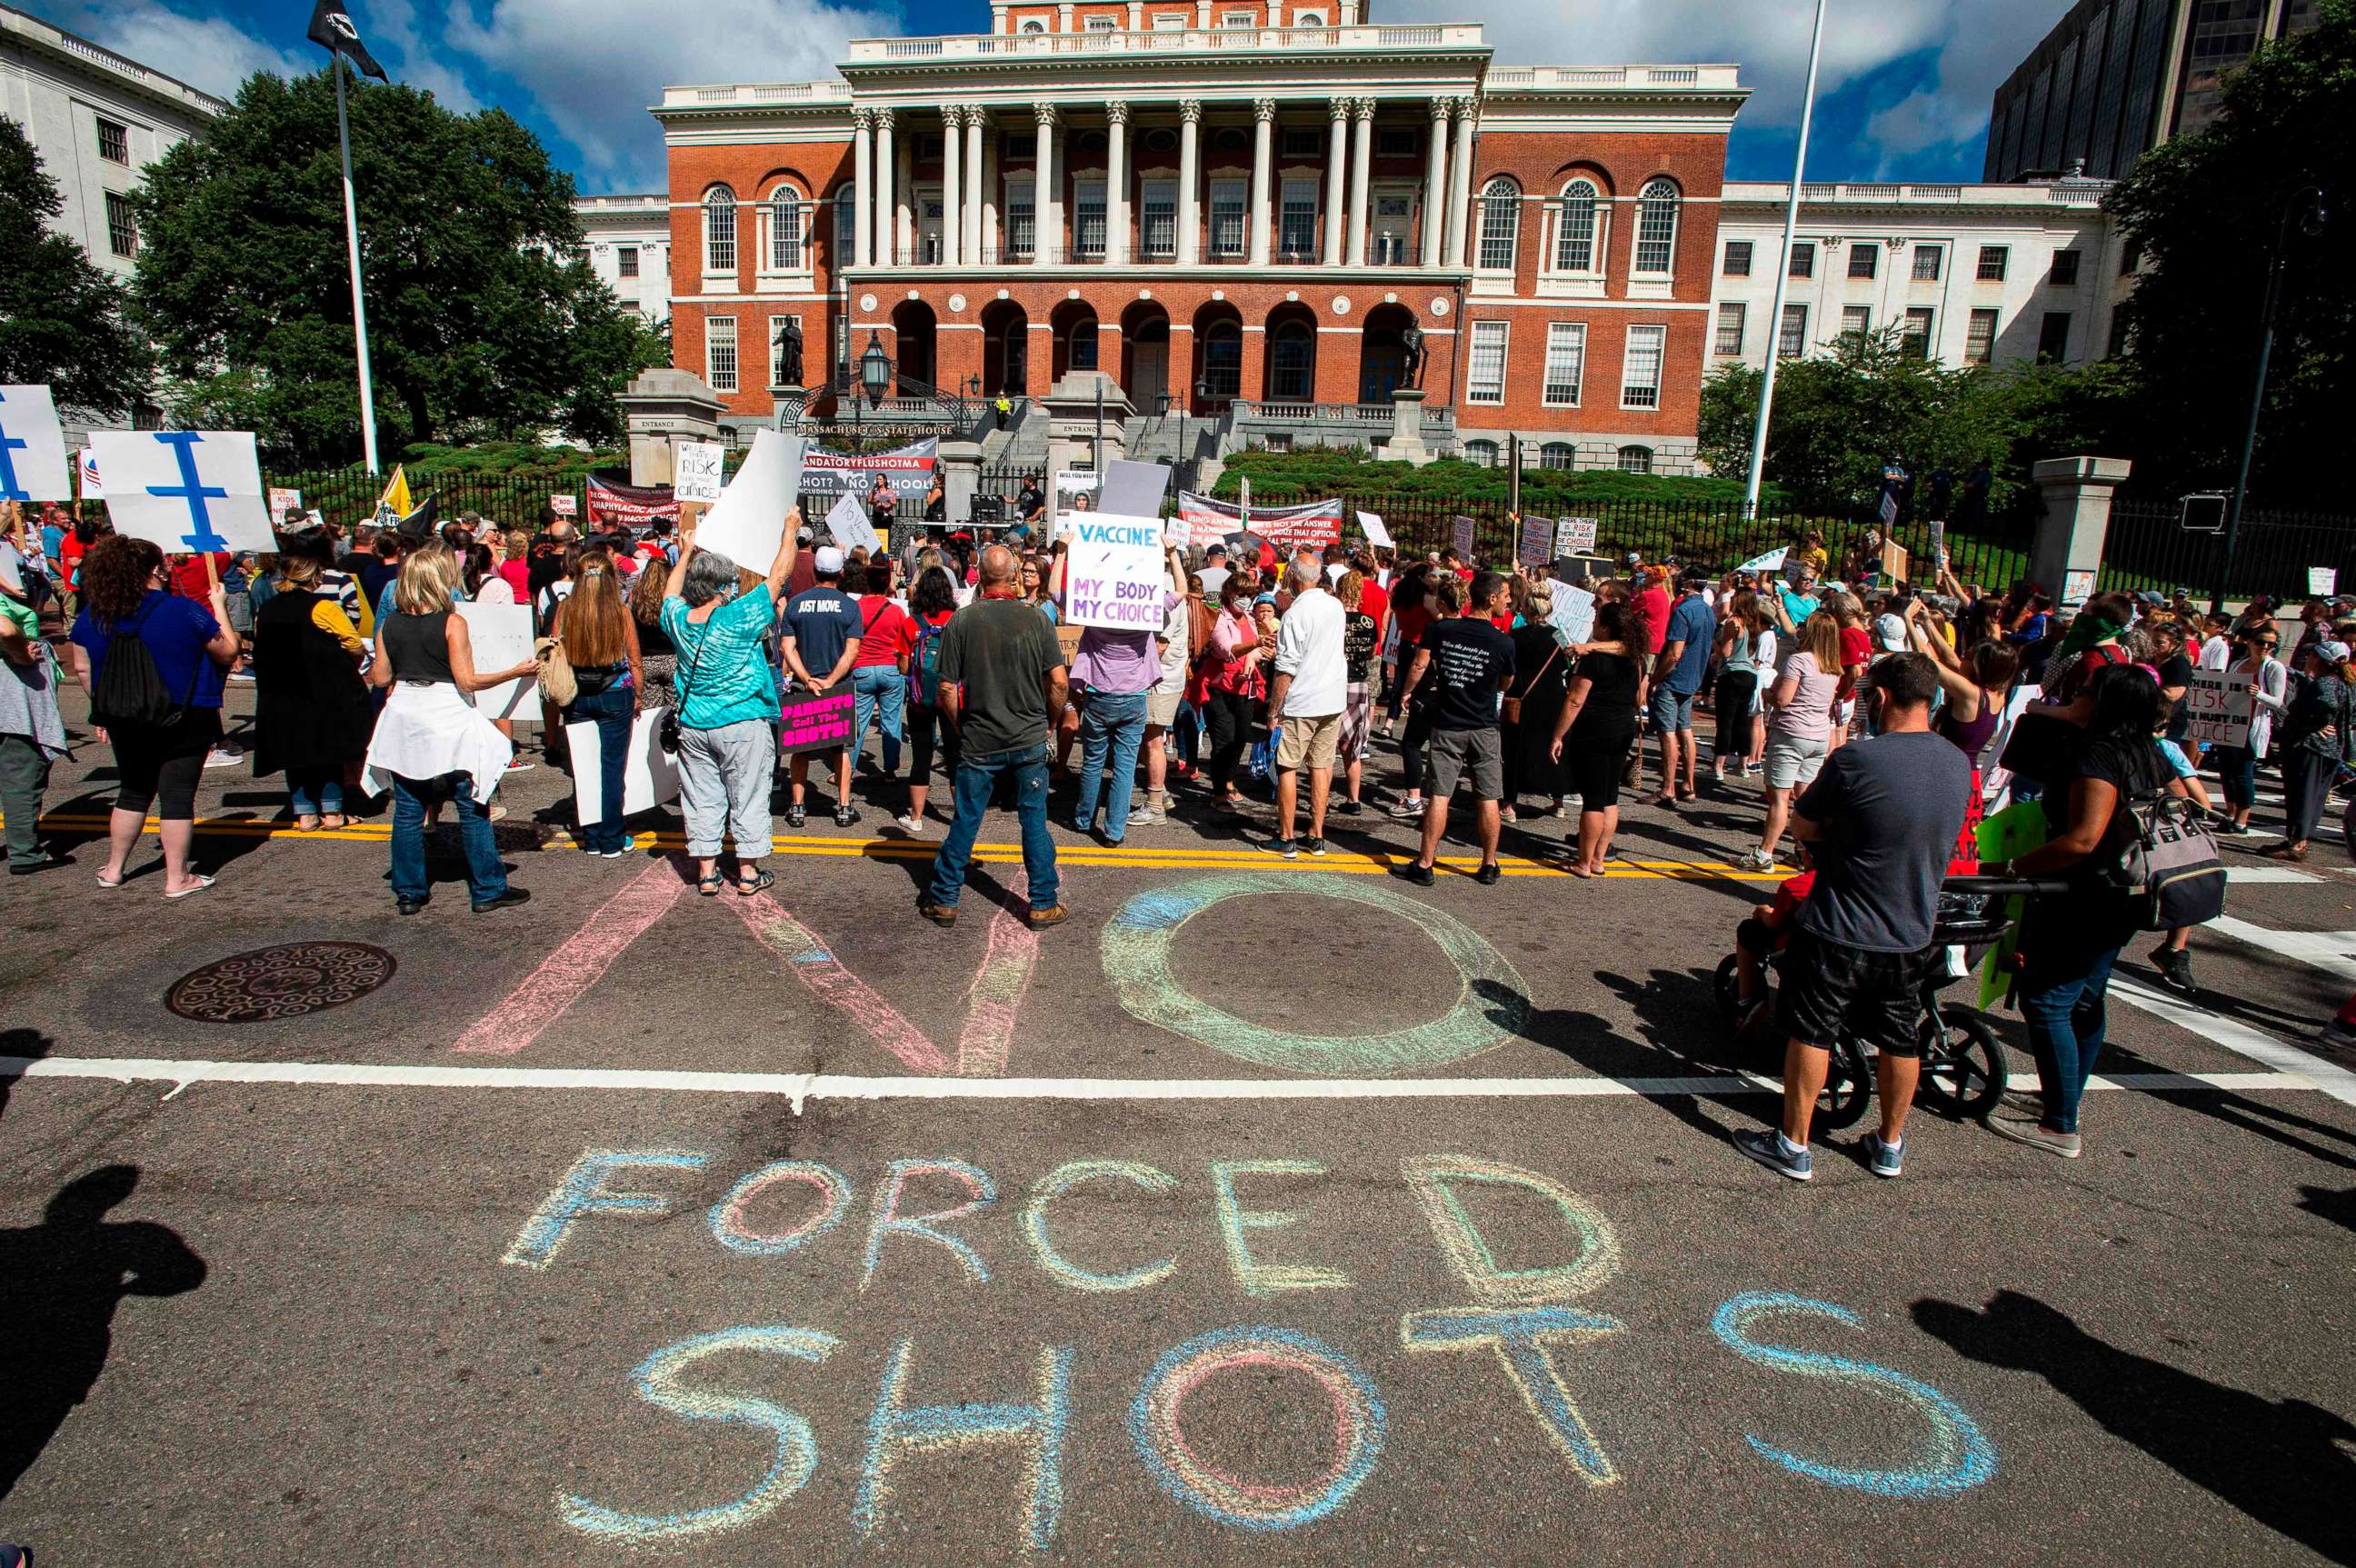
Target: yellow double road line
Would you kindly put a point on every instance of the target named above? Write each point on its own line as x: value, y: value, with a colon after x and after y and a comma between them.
x: 1126, y: 857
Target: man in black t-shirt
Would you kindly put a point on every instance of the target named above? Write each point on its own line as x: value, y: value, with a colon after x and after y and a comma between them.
x: 1464, y: 665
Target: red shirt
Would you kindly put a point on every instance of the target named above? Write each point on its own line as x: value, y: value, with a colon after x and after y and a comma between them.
x: 1653, y: 603
x: 887, y: 633
x: 517, y: 571
x: 1857, y: 648
x: 1374, y: 600
x: 189, y: 576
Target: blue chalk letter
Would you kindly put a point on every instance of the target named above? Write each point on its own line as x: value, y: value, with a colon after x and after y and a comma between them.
x: 1520, y: 1337
x: 582, y: 1191
x: 1957, y: 1458
x: 657, y: 1381
x: 1038, y: 1429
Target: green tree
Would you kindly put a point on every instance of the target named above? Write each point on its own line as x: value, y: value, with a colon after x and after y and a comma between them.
x: 2205, y: 212
x: 484, y: 320
x: 61, y: 318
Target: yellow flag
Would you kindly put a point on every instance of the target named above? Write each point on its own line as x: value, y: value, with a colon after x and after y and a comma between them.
x: 395, y: 501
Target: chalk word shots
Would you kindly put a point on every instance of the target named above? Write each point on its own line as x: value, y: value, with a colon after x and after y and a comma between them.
x: 1527, y: 1318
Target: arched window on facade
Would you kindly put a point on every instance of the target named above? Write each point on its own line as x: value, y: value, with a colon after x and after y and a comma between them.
x: 1223, y: 359
x: 1656, y: 227
x: 1574, y: 234
x: 1500, y: 223
x: 720, y: 230
x: 1291, y: 354
x: 785, y: 250
x: 1483, y: 453
x: 1034, y: 25
x: 1555, y: 454
x: 1635, y: 459
x: 846, y: 214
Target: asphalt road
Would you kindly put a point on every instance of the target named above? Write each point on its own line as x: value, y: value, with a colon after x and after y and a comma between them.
x: 1265, y: 1211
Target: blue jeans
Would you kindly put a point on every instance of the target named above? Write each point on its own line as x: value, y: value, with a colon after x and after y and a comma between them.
x: 2062, y: 993
x: 613, y: 710
x: 315, y: 791
x: 977, y: 780
x: 486, y: 877
x: 1114, y: 723
x: 878, y: 691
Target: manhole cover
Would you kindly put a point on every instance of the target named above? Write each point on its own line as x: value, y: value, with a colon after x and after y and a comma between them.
x: 286, y: 981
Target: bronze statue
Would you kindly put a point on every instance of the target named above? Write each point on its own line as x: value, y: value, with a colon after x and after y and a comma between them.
x: 790, y: 353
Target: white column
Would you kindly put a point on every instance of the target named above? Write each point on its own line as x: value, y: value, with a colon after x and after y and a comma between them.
x: 1263, y: 165
x: 1116, y: 183
x: 903, y: 200
x: 953, y: 186
x: 886, y: 209
x: 1202, y: 13
x: 862, y: 174
x: 1459, y: 181
x: 1136, y: 16
x: 974, y: 189
x: 1362, y: 163
x: 1337, y: 171
x: 1190, y: 180
x: 1435, y: 184
x: 1046, y: 197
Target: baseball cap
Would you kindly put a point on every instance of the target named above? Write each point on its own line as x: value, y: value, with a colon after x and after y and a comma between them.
x: 1218, y: 550
x: 1890, y: 632
x: 804, y: 536
x: 1634, y: 556
x: 830, y: 559
x: 2334, y: 650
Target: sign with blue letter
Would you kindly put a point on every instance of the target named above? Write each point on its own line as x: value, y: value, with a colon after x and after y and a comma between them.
x: 186, y: 490
x: 33, y: 465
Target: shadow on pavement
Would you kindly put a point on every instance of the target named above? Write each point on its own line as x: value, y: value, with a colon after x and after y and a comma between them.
x: 2270, y: 1122
x: 2340, y: 1208
x: 60, y: 1282
x: 2280, y: 1462
x: 31, y: 1044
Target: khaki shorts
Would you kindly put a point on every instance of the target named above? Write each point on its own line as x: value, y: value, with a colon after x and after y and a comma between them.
x: 1161, y: 708
x: 1309, y: 743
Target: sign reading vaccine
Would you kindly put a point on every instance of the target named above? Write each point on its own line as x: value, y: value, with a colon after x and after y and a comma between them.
x: 188, y: 491
x: 33, y: 465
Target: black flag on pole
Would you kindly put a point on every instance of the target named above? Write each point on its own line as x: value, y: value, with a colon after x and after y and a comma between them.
x: 332, y: 29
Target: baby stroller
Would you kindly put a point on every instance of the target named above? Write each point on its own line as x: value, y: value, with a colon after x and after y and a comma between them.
x: 1964, y: 1072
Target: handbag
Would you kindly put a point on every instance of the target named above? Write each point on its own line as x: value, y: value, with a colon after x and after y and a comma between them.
x: 1510, y: 710
x: 556, y: 683
x: 2171, y: 867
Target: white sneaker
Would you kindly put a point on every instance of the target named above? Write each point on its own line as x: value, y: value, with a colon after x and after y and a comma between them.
x: 1756, y: 860
x: 910, y: 825
x: 1146, y: 817
x: 224, y: 757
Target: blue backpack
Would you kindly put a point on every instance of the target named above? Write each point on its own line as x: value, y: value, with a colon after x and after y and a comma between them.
x: 924, y: 665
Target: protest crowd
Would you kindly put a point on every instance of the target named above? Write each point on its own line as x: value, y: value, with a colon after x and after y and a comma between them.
x: 1887, y: 723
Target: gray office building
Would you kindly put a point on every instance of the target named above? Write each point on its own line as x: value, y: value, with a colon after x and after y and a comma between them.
x: 2118, y: 76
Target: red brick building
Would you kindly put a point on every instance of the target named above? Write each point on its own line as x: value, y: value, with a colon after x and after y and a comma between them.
x: 1235, y: 210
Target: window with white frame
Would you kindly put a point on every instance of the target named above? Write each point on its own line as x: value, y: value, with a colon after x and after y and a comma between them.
x: 1656, y: 228
x: 1501, y: 224
x: 846, y: 214
x: 1228, y: 200
x: 1238, y: 19
x: 1034, y: 26
x: 1738, y: 259
x: 1566, y: 362
x: 719, y: 352
x: 1730, y: 318
x: 1555, y: 454
x: 776, y: 364
x: 1928, y: 258
x: 785, y: 229
x: 1803, y: 261
x: 1022, y: 219
x: 625, y: 260
x: 1102, y: 24
x: 1088, y: 211
x: 1574, y: 233
x: 1792, y: 339
x: 1387, y: 245
x: 1486, y: 383
x: 1159, y: 219
x: 1914, y: 339
x: 1857, y: 319
x: 1171, y: 21
x: 1296, y: 229
x: 720, y: 230
x: 121, y: 225
x: 1635, y: 459
x: 1979, y: 337
x: 1639, y: 368
x: 113, y: 141
x: 1864, y: 260
x: 1995, y: 262
x: 1483, y: 454
x: 1291, y: 358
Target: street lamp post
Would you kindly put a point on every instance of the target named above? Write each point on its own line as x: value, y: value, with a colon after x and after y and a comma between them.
x: 874, y: 379
x: 2306, y: 206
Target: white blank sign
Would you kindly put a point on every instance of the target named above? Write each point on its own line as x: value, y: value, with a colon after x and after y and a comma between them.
x: 501, y: 639
x: 652, y: 776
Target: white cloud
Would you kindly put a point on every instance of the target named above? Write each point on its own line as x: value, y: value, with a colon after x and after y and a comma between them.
x: 207, y: 53
x: 593, y: 69
x: 393, y: 35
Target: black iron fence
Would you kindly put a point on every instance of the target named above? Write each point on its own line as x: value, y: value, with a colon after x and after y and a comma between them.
x: 348, y: 496
x: 2273, y: 552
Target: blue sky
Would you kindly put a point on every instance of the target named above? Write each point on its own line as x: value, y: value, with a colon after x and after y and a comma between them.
x: 1904, y: 94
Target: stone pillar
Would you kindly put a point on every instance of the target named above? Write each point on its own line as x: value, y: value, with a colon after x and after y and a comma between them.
x: 1116, y: 183
x: 903, y: 200
x: 1405, y: 444
x: 952, y: 186
x: 1435, y: 184
x: 1047, y: 194
x: 1190, y: 180
x: 1136, y: 16
x: 663, y: 407
x: 960, y: 478
x: 886, y: 209
x: 1263, y: 167
x: 2069, y: 538
x: 1337, y: 169
x: 1460, y: 180
x: 1362, y: 158
x: 862, y: 165
x: 971, y: 241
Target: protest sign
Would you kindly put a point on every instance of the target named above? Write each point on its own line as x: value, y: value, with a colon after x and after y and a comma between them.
x: 501, y: 638
x: 1894, y: 564
x: 1372, y: 527
x: 848, y: 525
x: 749, y: 524
x: 1067, y: 639
x: 2077, y: 587
x: 2322, y: 582
x: 1134, y: 489
x: 33, y: 465
x: 1938, y: 546
x: 814, y: 723
x: 909, y: 468
x: 630, y: 506
x: 1536, y: 545
x: 283, y: 500
x: 1116, y: 576
x: 2218, y: 704
x: 1574, y: 612
x: 564, y: 504
x: 696, y: 472
x: 1575, y: 536
x: 1313, y: 525
x: 1770, y: 562
x: 1461, y: 535
x: 86, y: 466
x: 649, y: 773
x: 1065, y: 487
x: 187, y: 490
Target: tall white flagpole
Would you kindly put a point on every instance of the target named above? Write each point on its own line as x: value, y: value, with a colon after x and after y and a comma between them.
x: 359, y: 301
x: 1782, y: 274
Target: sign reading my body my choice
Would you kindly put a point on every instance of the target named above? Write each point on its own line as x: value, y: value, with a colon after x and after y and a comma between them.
x: 1116, y: 574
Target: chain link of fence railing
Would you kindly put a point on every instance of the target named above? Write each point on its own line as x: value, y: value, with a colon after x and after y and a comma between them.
x: 2147, y: 546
